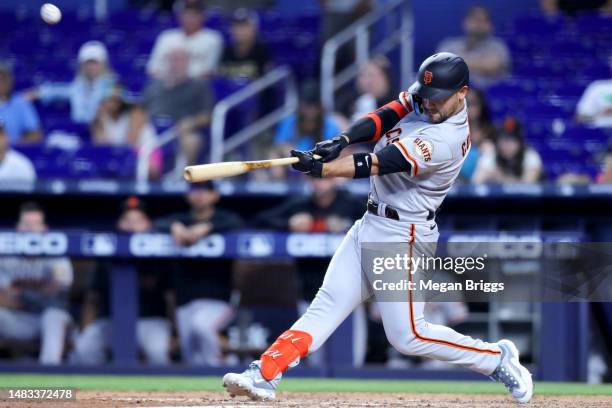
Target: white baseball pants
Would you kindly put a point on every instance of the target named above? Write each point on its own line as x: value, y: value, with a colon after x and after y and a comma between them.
x: 344, y: 288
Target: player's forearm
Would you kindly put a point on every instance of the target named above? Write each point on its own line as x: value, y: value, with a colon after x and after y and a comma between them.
x: 371, y: 127
x: 345, y: 166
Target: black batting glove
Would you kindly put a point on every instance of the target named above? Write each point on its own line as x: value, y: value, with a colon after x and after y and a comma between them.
x: 330, y: 149
x: 307, y: 164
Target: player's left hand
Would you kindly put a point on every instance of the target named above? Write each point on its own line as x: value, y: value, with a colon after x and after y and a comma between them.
x: 307, y: 164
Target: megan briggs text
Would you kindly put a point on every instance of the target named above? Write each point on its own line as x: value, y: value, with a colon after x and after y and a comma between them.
x: 468, y: 285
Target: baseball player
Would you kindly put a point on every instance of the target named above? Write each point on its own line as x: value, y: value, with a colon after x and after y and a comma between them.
x: 422, y: 139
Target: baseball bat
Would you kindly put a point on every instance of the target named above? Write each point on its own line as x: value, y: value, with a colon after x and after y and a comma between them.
x: 205, y: 172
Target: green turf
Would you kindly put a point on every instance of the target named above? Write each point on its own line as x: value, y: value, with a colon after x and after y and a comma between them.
x: 157, y: 383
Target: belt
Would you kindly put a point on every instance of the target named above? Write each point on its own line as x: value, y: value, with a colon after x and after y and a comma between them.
x: 391, y: 212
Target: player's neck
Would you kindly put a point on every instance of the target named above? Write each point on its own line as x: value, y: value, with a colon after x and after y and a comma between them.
x: 458, y: 108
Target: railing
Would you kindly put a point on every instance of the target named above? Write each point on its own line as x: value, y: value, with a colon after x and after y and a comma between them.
x: 360, y: 34
x: 219, y: 144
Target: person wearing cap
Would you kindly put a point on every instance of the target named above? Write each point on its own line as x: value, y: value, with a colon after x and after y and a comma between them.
x: 202, y: 288
x: 153, y: 327
x: 21, y: 122
x: 487, y: 56
x: 203, y: 45
x: 14, y: 166
x: 247, y: 57
x: 91, y: 84
x: 512, y: 161
x: 420, y: 142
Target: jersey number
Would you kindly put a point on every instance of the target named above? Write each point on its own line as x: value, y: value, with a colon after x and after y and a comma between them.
x: 465, y: 146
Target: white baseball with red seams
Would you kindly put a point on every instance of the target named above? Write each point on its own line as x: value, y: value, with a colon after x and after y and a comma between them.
x: 436, y: 153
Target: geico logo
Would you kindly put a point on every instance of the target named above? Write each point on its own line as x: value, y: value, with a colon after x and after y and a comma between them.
x: 312, y: 245
x: 163, y: 245
x: 51, y: 243
x: 527, y: 249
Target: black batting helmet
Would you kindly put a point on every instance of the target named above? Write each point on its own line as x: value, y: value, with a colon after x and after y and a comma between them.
x: 440, y: 76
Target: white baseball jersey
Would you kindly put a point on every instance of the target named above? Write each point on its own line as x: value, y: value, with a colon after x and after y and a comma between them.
x: 436, y: 153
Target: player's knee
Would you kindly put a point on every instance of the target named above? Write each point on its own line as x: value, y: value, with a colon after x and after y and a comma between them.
x: 405, y: 340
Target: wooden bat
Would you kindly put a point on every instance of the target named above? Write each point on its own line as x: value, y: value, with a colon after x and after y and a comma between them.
x: 205, y: 172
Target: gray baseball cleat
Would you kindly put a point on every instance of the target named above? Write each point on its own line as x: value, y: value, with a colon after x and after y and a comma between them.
x: 251, y: 383
x: 512, y: 374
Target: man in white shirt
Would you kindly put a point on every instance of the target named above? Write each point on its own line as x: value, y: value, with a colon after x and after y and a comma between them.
x: 595, y: 105
x: 14, y: 166
x: 203, y: 45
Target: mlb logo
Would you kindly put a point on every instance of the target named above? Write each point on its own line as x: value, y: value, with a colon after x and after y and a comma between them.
x: 99, y: 244
x: 256, y: 245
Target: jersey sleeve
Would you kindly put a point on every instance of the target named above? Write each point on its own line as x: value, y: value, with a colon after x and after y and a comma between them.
x: 375, y: 124
x: 423, y: 153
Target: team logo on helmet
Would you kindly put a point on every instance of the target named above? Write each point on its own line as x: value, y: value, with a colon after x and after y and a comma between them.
x: 427, y: 77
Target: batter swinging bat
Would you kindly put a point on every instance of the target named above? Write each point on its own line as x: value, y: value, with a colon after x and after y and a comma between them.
x: 205, y: 172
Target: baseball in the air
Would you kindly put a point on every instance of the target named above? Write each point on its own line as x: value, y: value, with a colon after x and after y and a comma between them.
x: 50, y: 13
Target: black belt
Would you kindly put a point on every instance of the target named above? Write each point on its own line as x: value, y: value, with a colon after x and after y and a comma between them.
x: 391, y: 212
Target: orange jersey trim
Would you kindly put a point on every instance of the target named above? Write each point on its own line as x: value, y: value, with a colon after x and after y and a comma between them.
x: 411, y: 311
x: 407, y: 156
x: 378, y: 125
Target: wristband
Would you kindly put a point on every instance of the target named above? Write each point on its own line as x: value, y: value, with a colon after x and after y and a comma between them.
x: 363, y: 165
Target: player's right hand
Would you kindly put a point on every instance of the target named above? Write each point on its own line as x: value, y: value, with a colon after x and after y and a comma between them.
x: 307, y: 164
x: 330, y: 149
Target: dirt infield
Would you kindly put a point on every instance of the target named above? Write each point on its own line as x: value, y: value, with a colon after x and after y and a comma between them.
x: 104, y: 399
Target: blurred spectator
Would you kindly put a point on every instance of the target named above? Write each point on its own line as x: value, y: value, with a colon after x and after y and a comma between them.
x: 311, y: 124
x: 33, y: 294
x: 247, y: 57
x: 120, y: 123
x: 553, y: 7
x: 482, y: 132
x: 326, y: 210
x: 605, y: 177
x: 375, y: 87
x: 153, y: 329
x: 203, y: 45
x: 20, y: 119
x: 511, y: 161
x: 187, y: 101
x: 595, y: 105
x: 14, y: 166
x: 91, y: 84
x: 202, y: 289
x: 487, y: 56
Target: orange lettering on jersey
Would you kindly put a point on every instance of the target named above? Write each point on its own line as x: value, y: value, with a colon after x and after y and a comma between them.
x: 465, y: 146
x: 424, y: 149
x: 393, y: 135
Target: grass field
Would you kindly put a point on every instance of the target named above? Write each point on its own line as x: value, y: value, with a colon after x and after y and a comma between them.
x: 172, y: 384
